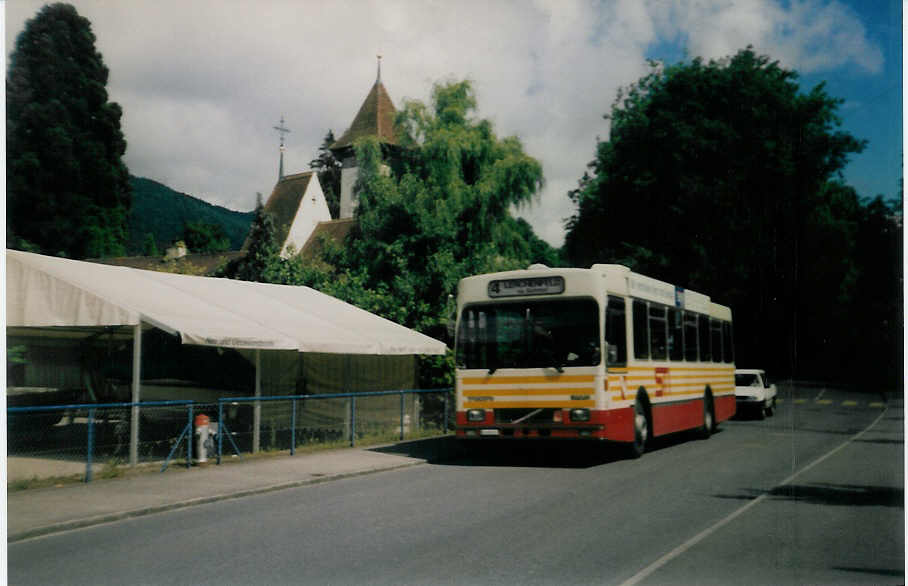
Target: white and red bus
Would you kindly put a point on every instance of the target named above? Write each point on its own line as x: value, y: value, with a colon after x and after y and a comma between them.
x: 601, y: 353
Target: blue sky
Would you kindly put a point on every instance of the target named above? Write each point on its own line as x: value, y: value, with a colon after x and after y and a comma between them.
x: 202, y: 83
x: 873, y: 102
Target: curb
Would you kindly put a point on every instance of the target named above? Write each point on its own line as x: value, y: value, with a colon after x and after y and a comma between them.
x: 144, y: 511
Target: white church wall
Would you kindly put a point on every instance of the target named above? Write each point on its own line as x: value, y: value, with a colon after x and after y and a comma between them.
x: 312, y: 210
x: 348, y: 180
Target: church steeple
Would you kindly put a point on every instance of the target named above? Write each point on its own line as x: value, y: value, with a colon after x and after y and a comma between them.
x: 374, y: 118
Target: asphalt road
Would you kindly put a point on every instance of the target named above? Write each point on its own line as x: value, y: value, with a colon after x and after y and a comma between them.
x: 814, y: 495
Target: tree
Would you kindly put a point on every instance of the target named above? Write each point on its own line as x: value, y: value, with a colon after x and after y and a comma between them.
x: 440, y: 214
x: 205, y: 237
x: 262, y: 258
x: 725, y: 178
x: 150, y: 246
x: 329, y: 174
x: 68, y: 190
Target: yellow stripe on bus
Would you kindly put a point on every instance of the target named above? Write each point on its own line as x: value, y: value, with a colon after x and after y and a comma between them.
x: 507, y: 380
x: 545, y: 391
x: 526, y: 404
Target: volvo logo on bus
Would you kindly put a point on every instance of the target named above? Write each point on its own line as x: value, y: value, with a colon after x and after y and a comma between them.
x: 526, y: 286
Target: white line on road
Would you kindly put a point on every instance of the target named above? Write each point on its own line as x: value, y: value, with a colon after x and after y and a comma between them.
x: 645, y: 572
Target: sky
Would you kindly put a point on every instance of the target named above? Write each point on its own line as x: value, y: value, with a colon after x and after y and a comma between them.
x: 203, y: 83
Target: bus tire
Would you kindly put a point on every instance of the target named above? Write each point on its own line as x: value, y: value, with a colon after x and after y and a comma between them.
x: 641, y: 429
x: 709, y: 417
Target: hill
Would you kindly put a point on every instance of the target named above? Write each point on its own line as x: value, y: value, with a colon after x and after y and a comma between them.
x: 161, y: 211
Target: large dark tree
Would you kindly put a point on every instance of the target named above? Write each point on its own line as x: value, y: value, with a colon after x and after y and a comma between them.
x: 68, y: 190
x: 725, y: 178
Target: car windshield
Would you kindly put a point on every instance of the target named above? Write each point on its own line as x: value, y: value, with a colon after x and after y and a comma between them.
x: 529, y: 334
x: 746, y: 380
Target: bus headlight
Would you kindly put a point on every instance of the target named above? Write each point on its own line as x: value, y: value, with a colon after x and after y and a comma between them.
x: 476, y: 415
x: 580, y: 414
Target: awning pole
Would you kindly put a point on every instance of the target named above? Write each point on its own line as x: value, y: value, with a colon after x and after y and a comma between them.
x: 257, y: 407
x: 136, y: 394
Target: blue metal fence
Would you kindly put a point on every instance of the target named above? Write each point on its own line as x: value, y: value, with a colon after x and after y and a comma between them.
x: 24, y: 439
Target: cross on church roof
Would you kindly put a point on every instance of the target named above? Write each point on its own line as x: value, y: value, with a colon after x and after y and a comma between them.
x: 280, y: 128
x: 282, y: 131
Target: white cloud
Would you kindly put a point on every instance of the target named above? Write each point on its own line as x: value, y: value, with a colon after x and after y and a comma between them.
x: 807, y: 35
x: 202, y: 83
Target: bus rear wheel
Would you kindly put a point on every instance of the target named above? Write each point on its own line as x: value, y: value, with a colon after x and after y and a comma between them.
x: 709, y: 421
x: 641, y: 430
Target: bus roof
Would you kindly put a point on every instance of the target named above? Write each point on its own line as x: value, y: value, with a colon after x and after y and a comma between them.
x: 612, y: 278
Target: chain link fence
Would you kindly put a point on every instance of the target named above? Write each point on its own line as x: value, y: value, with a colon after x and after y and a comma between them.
x: 85, y: 439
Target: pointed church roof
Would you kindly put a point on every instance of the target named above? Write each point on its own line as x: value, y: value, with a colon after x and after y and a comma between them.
x: 375, y: 118
x: 284, y: 203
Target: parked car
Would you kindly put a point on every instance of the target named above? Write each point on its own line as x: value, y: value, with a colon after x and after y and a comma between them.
x: 754, y: 393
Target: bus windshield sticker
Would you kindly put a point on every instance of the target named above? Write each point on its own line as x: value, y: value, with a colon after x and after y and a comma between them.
x: 526, y: 286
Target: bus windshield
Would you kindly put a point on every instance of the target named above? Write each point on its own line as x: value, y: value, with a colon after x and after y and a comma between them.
x: 540, y: 334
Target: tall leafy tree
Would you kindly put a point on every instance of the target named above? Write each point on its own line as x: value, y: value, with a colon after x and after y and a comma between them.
x: 329, y: 174
x: 442, y: 214
x: 725, y: 177
x: 67, y: 187
x: 439, y: 211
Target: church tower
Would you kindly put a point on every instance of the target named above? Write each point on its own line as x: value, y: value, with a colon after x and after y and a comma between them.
x: 375, y: 118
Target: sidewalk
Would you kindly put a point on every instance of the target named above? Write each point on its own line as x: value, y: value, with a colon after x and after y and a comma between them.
x: 50, y: 510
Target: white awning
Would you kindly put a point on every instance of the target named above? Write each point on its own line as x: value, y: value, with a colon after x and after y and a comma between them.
x: 44, y: 291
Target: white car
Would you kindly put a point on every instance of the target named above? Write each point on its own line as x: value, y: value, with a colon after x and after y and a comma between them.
x: 754, y: 393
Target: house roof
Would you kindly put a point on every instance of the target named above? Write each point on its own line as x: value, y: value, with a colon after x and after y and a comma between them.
x: 335, y: 231
x: 204, y: 264
x: 375, y: 118
x: 284, y: 203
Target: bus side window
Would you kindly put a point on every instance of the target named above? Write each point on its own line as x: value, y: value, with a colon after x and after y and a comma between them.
x: 675, y: 335
x: 641, y: 330
x: 615, y: 331
x: 690, y: 336
x: 715, y: 338
x: 658, y: 335
x: 703, y: 335
x: 728, y: 347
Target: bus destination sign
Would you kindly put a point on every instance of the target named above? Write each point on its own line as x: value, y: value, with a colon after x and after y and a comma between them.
x: 526, y: 286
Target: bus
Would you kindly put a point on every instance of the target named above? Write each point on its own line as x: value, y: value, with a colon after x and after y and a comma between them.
x: 601, y: 354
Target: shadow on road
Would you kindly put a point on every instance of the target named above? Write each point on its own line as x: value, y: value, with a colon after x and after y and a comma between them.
x: 873, y: 571
x: 524, y: 453
x: 850, y: 495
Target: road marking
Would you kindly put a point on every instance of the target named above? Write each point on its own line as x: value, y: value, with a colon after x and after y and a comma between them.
x: 849, y: 403
x: 877, y: 404
x: 800, y: 401
x: 823, y: 402
x: 645, y: 572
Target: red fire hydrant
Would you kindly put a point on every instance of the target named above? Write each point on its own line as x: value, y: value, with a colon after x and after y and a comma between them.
x: 201, y: 433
